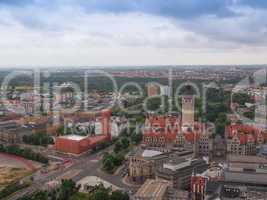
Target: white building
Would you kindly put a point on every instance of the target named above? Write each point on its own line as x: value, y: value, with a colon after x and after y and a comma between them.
x: 89, y: 182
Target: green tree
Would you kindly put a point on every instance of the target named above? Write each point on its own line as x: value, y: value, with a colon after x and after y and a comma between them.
x: 41, y: 196
x: 137, y: 138
x: 125, y: 143
x: 220, y: 124
x: 108, y: 162
x: 67, y: 189
x: 118, y: 195
x: 99, y: 193
x: 118, y: 147
x: 118, y: 159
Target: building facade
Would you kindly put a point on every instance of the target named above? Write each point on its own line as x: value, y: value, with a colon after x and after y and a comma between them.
x: 76, y: 144
x: 178, y: 172
x: 143, y: 165
x: 243, y: 139
x: 198, y: 187
x: 188, y: 107
x: 153, y: 89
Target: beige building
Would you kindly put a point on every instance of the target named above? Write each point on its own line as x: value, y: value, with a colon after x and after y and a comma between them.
x: 143, y: 164
x: 160, y: 190
x: 243, y: 139
x: 10, y: 132
x: 11, y: 137
x: 153, y: 89
x: 202, y: 144
x: 153, y: 190
x: 241, y: 145
x: 188, y: 104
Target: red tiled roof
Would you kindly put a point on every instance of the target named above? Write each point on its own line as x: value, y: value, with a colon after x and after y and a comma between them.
x: 245, y: 133
x: 246, y: 129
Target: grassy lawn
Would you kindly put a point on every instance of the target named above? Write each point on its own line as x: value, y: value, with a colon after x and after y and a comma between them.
x: 79, y: 196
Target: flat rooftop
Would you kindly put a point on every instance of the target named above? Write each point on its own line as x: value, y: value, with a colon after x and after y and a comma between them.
x: 152, y: 189
x: 246, y: 178
x: 177, y: 164
x: 246, y: 159
x: 94, y: 181
x: 73, y: 137
x: 150, y: 153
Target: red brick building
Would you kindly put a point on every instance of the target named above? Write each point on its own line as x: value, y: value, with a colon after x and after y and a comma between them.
x: 78, y: 144
x: 198, y: 187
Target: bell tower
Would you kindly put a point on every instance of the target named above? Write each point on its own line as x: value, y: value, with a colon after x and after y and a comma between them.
x: 188, y: 108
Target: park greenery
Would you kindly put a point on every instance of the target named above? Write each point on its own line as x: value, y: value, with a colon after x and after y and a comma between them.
x: 39, y: 139
x: 65, y: 191
x: 11, y: 188
x: 69, y: 191
x: 101, y: 193
x: 111, y: 161
x: 24, y: 152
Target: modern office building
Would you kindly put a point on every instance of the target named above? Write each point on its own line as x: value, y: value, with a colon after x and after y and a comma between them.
x: 179, y: 171
x: 251, y: 170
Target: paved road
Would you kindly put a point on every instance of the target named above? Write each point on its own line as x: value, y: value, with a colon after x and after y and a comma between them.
x: 87, y: 165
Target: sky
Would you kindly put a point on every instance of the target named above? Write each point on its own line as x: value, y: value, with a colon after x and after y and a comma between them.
x: 132, y: 32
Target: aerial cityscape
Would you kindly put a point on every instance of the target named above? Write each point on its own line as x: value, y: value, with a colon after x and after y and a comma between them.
x: 133, y: 100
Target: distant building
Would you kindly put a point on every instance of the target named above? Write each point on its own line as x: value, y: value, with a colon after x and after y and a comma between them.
x: 9, y: 136
x: 10, y: 132
x: 64, y: 93
x: 153, y: 89
x: 165, y: 90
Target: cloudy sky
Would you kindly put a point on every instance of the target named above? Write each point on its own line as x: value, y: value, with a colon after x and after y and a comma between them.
x: 132, y: 32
